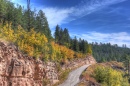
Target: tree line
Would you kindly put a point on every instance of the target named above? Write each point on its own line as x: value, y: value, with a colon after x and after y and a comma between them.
x: 108, y: 52
x: 62, y: 37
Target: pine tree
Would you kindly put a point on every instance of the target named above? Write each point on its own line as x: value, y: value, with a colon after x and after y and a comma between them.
x: 80, y: 44
x: 61, y: 37
x: 85, y: 45
x: 42, y: 24
x: 3, y: 10
x: 10, y: 12
x: 66, y: 37
x: 57, y: 34
x: 28, y: 16
x: 17, y: 16
x: 76, y: 45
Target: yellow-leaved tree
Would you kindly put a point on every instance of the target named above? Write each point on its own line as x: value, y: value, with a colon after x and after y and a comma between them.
x: 31, y: 43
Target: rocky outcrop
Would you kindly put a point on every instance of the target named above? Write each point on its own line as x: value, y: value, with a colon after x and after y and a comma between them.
x: 17, y: 69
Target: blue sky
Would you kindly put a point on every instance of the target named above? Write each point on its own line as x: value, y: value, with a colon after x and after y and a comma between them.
x: 93, y: 20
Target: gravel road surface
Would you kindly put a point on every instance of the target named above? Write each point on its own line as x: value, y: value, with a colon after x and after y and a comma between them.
x: 73, y: 77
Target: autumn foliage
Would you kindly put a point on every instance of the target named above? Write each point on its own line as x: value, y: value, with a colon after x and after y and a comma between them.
x: 36, y: 44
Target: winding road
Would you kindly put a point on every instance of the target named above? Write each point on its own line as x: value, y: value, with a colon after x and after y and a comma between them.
x: 73, y: 77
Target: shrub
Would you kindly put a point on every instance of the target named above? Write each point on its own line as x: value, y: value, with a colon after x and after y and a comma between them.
x: 109, y: 77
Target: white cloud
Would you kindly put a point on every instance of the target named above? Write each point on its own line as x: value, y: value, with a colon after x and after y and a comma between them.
x: 56, y: 16
x: 59, y: 16
x: 114, y: 38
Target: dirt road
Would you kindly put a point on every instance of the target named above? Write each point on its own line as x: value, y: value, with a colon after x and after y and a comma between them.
x: 73, y: 77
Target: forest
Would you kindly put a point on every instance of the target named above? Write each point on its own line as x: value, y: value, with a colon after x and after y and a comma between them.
x: 29, y: 30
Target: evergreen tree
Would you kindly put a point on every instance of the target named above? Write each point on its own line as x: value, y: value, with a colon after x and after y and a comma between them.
x: 3, y: 10
x: 61, y: 37
x: 85, y: 45
x: 28, y: 15
x: 10, y: 12
x: 76, y: 45
x: 42, y: 24
x: 66, y: 37
x: 57, y: 34
x: 17, y: 16
x: 80, y: 44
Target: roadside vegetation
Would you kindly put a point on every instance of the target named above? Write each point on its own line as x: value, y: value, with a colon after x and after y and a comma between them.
x: 105, y: 74
x: 109, y: 77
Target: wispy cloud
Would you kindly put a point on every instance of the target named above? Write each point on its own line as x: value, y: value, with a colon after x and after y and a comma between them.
x: 56, y: 16
x: 87, y: 7
x: 60, y: 16
x: 114, y: 38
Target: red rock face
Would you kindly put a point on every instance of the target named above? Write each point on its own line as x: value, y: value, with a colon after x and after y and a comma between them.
x: 19, y: 70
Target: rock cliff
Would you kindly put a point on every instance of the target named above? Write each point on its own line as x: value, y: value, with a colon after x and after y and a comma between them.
x: 17, y: 69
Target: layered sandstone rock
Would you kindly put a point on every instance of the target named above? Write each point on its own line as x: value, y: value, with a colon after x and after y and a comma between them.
x: 17, y: 69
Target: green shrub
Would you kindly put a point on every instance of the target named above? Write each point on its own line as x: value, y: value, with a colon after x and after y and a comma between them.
x: 109, y: 77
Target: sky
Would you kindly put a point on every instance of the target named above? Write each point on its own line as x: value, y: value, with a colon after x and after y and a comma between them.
x: 93, y: 20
